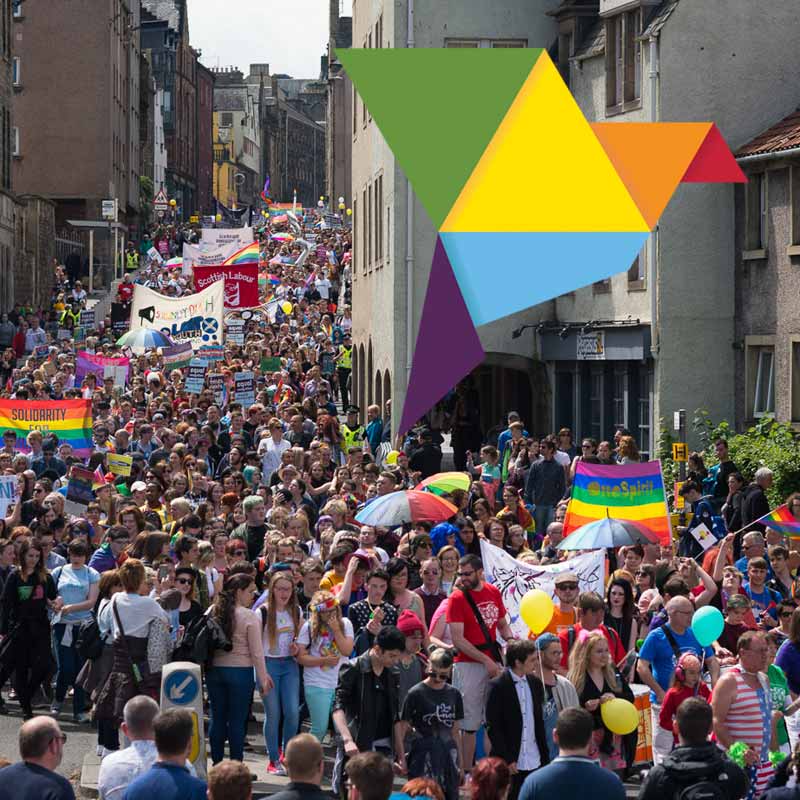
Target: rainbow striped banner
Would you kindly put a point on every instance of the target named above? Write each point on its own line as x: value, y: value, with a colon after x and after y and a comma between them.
x: 70, y: 420
x: 783, y: 521
x: 631, y: 492
x: 247, y: 255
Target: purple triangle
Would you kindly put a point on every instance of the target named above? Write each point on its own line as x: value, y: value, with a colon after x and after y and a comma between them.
x: 447, y: 348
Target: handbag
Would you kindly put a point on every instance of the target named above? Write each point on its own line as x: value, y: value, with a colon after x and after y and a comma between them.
x: 136, y: 672
x: 88, y: 642
x: 490, y: 645
x: 7, y: 645
x: 159, y: 645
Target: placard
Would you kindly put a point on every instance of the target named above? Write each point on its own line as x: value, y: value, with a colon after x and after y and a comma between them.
x: 216, y: 382
x: 211, y: 354
x: 271, y: 364
x: 234, y: 331
x: 79, y: 490
x: 8, y: 493
x: 87, y: 318
x: 154, y: 255
x: 196, y: 376
x: 244, y: 388
x: 119, y: 464
x: 120, y: 318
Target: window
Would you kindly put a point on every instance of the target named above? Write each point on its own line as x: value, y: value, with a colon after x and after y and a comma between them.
x: 764, y: 393
x: 364, y: 231
x: 388, y: 230
x: 355, y: 111
x: 16, y: 71
x: 15, y: 143
x: 644, y: 402
x: 756, y: 212
x: 379, y: 32
x: 379, y: 219
x: 623, y: 60
x: 17, y: 6
x: 619, y: 400
x: 226, y: 119
x: 370, y: 232
x: 486, y: 43
x: 637, y: 271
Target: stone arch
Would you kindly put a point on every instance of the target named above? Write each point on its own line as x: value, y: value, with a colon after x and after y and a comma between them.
x: 387, y: 389
x: 378, y: 398
x: 369, y: 375
x: 363, y: 376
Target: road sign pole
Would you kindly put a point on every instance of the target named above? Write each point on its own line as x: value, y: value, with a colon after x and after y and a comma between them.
x: 182, y: 687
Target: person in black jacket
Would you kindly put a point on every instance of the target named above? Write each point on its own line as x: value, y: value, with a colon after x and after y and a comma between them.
x: 366, y: 708
x: 695, y: 760
x: 755, y: 504
x: 426, y: 457
x: 545, y: 486
x: 514, y: 718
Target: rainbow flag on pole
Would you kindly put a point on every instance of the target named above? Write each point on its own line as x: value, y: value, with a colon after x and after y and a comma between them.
x: 247, y: 255
x: 783, y: 521
x: 70, y: 420
x: 631, y: 492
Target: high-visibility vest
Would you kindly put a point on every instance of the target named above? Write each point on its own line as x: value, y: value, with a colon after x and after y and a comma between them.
x: 345, y: 357
x: 353, y: 437
x: 132, y: 260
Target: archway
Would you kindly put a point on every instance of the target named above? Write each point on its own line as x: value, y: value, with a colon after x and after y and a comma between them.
x: 363, y: 376
x: 387, y: 389
x: 369, y: 376
x: 378, y: 400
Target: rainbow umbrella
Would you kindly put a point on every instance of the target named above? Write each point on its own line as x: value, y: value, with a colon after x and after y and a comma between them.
x: 607, y: 532
x: 397, y: 508
x: 141, y: 339
x: 445, y: 483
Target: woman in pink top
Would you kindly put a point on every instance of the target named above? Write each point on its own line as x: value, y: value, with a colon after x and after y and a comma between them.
x: 230, y: 677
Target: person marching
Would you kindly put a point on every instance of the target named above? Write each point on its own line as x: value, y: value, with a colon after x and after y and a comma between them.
x: 353, y: 432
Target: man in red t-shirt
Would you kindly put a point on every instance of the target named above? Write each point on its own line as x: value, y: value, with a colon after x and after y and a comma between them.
x: 478, y: 659
x: 591, y: 611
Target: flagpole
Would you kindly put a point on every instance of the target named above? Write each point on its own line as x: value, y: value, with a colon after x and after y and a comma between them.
x: 756, y: 521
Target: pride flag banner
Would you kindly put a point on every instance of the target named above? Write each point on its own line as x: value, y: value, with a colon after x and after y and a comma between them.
x: 783, y: 521
x: 632, y: 492
x: 70, y: 420
x: 247, y: 255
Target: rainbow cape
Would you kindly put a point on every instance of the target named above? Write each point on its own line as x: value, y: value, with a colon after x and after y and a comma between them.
x: 247, y: 255
x: 70, y: 420
x: 783, y: 521
x: 631, y: 492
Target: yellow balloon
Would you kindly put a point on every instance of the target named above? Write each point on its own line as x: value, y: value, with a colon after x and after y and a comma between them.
x: 349, y: 212
x: 391, y: 457
x: 620, y: 716
x: 287, y: 307
x: 536, y: 610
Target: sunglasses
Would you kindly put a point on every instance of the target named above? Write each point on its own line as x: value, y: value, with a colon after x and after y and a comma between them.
x: 567, y: 586
x: 438, y: 676
x: 240, y: 552
x: 185, y: 581
x: 786, y: 614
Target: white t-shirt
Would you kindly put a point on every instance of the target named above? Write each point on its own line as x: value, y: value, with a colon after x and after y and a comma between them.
x: 323, y: 677
x: 284, y: 635
x: 323, y: 287
x: 135, y: 612
x: 563, y: 458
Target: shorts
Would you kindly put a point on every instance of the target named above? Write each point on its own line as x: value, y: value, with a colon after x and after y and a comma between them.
x: 472, y: 680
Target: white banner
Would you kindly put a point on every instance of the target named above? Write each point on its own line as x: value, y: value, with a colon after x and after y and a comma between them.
x: 199, y: 255
x: 514, y: 578
x: 222, y: 237
x: 196, y: 318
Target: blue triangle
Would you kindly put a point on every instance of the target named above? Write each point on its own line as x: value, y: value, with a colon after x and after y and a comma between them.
x: 501, y: 273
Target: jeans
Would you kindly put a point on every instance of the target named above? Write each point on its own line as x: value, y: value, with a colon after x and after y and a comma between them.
x: 320, y: 703
x: 230, y: 690
x: 283, y: 697
x: 542, y: 517
x: 69, y: 665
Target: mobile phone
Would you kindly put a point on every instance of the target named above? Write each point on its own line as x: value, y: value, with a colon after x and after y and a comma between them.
x: 163, y: 572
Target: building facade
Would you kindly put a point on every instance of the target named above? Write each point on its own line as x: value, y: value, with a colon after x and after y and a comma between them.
x: 338, y: 127
x: 95, y: 155
x: 767, y: 253
x: 205, y: 141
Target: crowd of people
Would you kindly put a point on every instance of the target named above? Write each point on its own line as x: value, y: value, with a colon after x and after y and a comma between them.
x: 233, y: 542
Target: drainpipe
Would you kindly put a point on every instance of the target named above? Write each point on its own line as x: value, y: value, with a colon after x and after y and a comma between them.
x: 652, y: 242
x: 409, y: 235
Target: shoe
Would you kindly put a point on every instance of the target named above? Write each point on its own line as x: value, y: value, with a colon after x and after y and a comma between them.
x: 55, y: 710
x: 99, y: 750
x: 276, y: 769
x: 81, y: 718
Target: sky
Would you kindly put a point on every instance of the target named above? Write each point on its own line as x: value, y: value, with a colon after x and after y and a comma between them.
x: 289, y: 35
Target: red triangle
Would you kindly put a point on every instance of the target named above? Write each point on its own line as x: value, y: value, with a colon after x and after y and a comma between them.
x: 714, y: 162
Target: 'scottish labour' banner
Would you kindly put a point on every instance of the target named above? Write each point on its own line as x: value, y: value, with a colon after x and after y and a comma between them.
x: 241, y: 283
x: 101, y: 367
x: 70, y: 420
x: 515, y: 578
x: 197, y: 255
x: 196, y: 318
x: 632, y: 492
x: 220, y: 237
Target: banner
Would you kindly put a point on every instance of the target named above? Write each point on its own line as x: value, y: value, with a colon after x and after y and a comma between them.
x: 222, y: 237
x: 119, y: 464
x: 631, y: 492
x: 176, y: 357
x: 514, y: 578
x: 216, y: 382
x: 120, y: 318
x: 8, y: 493
x: 196, y: 376
x: 70, y: 420
x: 244, y: 388
x: 241, y: 283
x: 206, y: 256
x: 102, y: 367
x: 234, y: 331
x: 196, y: 318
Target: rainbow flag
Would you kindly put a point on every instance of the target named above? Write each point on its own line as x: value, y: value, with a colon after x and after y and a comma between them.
x: 632, y: 492
x: 783, y: 521
x: 70, y: 420
x: 247, y: 255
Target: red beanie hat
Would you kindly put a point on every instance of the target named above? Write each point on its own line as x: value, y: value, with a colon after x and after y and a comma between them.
x: 408, y: 623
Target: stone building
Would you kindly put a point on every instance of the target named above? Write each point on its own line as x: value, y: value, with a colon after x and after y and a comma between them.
x: 338, y: 126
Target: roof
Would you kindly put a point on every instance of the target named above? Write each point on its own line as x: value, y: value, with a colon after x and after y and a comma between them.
x: 166, y: 10
x: 784, y: 135
x: 227, y: 99
x: 659, y: 18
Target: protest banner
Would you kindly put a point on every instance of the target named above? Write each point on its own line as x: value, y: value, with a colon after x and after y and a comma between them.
x: 515, y: 578
x: 154, y: 255
x: 70, y: 420
x: 241, y: 283
x: 216, y: 382
x: 8, y: 493
x: 120, y: 318
x: 234, y: 331
x: 41, y: 351
x: 119, y: 464
x: 632, y: 492
x: 199, y: 255
x: 176, y: 357
x: 221, y: 237
x: 87, y: 318
x: 195, y: 318
x: 211, y: 354
x: 102, y: 367
x: 196, y: 376
x: 79, y: 491
x: 244, y: 388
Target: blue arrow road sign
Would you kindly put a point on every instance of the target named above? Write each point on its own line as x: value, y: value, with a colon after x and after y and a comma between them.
x: 181, y: 687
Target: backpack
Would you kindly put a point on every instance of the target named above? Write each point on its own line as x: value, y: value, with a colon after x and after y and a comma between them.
x: 88, y: 642
x: 201, y: 640
x: 709, y: 784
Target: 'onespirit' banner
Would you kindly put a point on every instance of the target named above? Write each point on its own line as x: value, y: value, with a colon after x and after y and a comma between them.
x: 196, y: 318
x: 514, y: 578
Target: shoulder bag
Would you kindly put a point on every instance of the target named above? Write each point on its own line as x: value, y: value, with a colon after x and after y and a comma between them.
x: 489, y: 646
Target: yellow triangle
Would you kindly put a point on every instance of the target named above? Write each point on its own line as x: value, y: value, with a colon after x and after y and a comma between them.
x: 545, y: 169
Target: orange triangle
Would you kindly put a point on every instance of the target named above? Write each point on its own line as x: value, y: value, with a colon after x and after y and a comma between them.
x: 651, y: 158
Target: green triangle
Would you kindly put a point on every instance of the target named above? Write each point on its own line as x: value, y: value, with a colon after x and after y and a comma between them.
x: 438, y: 109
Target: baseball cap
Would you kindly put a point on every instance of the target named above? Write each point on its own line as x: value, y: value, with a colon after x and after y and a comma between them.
x: 138, y: 486
x: 565, y: 577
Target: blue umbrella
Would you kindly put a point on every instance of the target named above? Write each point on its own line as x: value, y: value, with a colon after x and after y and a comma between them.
x: 143, y: 339
x: 607, y: 532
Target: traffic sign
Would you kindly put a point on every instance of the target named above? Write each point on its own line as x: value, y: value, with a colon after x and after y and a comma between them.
x: 109, y: 210
x: 194, y: 219
x: 160, y: 203
x: 181, y: 687
x: 680, y: 451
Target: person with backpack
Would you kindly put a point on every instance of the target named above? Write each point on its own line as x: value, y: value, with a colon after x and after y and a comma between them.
x: 697, y: 769
x: 703, y: 512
